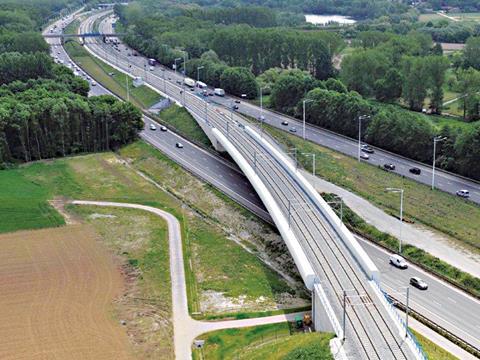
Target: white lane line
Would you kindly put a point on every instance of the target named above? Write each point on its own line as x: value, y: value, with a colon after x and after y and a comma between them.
x: 437, y: 303
x: 449, y: 298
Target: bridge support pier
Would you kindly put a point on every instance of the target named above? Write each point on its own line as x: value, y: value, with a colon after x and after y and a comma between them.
x: 320, y: 317
x: 62, y: 41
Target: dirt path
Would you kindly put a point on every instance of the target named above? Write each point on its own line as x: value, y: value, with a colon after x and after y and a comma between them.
x: 185, y: 328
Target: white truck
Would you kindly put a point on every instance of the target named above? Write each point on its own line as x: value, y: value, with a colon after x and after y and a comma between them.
x: 201, y: 85
x: 189, y: 82
x: 219, y: 92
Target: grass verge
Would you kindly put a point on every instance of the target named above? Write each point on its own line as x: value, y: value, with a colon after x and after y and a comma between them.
x: 183, y: 123
x: 273, y: 341
x: 432, y: 350
x: 442, y: 211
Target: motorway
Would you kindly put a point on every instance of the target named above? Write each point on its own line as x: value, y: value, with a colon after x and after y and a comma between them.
x: 444, y: 181
x: 442, y: 303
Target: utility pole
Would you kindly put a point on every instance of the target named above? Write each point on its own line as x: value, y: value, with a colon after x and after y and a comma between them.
x: 304, y: 102
x: 435, y: 140
x: 198, y: 72
x: 360, y: 118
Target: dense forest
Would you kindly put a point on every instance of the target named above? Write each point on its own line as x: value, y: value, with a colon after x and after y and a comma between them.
x: 244, y: 47
x: 44, y: 108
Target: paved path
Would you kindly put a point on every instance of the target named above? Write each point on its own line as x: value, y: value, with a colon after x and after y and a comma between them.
x: 432, y: 242
x: 186, y: 329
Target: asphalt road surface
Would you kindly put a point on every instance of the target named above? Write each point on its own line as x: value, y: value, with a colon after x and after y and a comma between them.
x: 449, y: 307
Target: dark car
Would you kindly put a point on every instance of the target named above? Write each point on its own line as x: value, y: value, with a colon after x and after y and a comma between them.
x: 235, y: 107
x: 389, y: 166
x: 415, y: 170
x: 285, y: 123
x: 237, y: 101
x: 367, y: 149
x: 418, y: 283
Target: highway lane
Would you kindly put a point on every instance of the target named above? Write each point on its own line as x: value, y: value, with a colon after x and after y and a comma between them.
x: 451, y: 318
x: 444, y: 181
x: 439, y: 292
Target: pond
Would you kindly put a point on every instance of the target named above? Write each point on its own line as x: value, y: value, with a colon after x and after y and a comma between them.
x: 325, y: 19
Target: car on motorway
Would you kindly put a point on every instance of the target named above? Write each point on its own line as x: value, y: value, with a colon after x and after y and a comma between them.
x: 163, y: 128
x: 237, y: 101
x: 293, y: 130
x: 364, y: 156
x: 418, y: 283
x: 285, y: 123
x: 153, y: 127
x: 415, y: 170
x: 389, y: 166
x: 463, y: 193
x: 398, y: 261
x: 94, y: 83
x: 367, y: 149
x: 179, y: 145
x: 235, y: 107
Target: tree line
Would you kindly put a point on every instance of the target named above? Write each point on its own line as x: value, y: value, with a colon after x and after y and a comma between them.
x: 391, y: 67
x: 44, y: 109
x: 331, y: 106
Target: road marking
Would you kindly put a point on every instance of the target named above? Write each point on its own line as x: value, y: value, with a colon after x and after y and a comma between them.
x: 449, y: 298
x: 437, y: 303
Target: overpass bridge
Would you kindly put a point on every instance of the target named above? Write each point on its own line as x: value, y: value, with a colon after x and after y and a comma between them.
x: 344, y: 282
x: 82, y: 36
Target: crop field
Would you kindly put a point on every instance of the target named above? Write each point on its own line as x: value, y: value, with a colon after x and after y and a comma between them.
x: 57, y: 287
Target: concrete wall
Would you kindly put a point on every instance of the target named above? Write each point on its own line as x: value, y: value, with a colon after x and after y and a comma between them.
x: 299, y: 256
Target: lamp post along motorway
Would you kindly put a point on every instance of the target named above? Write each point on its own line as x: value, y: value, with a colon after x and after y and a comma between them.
x: 435, y: 140
x: 395, y: 190
x: 304, y: 102
x: 360, y: 118
x: 198, y: 72
x: 175, y: 62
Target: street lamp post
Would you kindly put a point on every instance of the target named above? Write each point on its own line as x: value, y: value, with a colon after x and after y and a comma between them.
x: 198, y: 72
x: 262, y: 118
x: 360, y: 118
x: 395, y: 190
x: 304, y: 102
x: 185, y: 56
x: 175, y: 62
x: 435, y: 140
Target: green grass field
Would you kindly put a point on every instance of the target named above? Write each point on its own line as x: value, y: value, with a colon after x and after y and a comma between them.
x: 274, y: 341
x: 181, y: 120
x: 444, y: 212
x: 23, y: 203
x: 433, y: 351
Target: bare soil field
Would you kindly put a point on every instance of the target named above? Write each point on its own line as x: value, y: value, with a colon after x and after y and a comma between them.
x: 56, y: 292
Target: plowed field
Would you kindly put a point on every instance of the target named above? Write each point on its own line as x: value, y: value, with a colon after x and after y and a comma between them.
x: 56, y: 292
